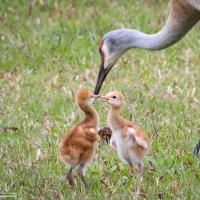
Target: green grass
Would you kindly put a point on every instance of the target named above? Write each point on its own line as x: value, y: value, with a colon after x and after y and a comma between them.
x: 48, y: 52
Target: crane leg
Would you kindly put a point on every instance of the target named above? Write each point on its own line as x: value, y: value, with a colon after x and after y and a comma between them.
x: 196, y: 149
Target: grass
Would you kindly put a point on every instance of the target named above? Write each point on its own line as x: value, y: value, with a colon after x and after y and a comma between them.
x: 48, y: 49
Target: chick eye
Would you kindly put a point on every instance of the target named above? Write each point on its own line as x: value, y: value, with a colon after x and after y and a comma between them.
x: 91, y: 96
x: 114, y: 97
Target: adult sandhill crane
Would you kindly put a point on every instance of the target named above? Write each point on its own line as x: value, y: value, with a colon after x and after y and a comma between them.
x: 183, y: 15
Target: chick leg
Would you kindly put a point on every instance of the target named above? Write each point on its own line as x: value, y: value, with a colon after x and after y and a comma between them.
x: 132, y: 168
x: 70, y: 177
x: 80, y: 173
x: 140, y: 169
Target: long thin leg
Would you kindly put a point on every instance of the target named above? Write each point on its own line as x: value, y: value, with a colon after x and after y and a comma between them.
x: 196, y: 149
x: 132, y: 168
x: 70, y: 177
x: 80, y: 173
x: 140, y: 169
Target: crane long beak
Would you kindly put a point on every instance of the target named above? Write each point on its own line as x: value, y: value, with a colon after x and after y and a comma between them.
x: 101, y: 77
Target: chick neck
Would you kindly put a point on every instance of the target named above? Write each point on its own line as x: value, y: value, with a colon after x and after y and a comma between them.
x: 116, y: 121
x: 91, y: 115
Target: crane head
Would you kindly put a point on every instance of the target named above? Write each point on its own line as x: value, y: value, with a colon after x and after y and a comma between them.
x: 104, y: 69
x: 112, y: 46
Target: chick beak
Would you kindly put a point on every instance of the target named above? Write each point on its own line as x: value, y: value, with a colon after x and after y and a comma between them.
x: 103, y: 98
x: 96, y: 96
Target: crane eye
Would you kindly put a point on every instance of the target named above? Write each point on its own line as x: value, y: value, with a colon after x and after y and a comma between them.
x: 114, y: 97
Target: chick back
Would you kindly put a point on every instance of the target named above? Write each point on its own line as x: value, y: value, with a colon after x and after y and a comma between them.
x: 79, y: 145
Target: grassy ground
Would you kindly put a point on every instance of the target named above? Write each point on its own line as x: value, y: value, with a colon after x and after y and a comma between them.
x: 47, y: 51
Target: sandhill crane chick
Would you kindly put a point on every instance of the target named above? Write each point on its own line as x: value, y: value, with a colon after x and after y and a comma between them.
x: 129, y: 141
x: 79, y: 144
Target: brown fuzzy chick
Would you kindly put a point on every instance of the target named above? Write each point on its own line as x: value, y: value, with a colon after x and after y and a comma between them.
x: 127, y: 139
x: 79, y: 144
